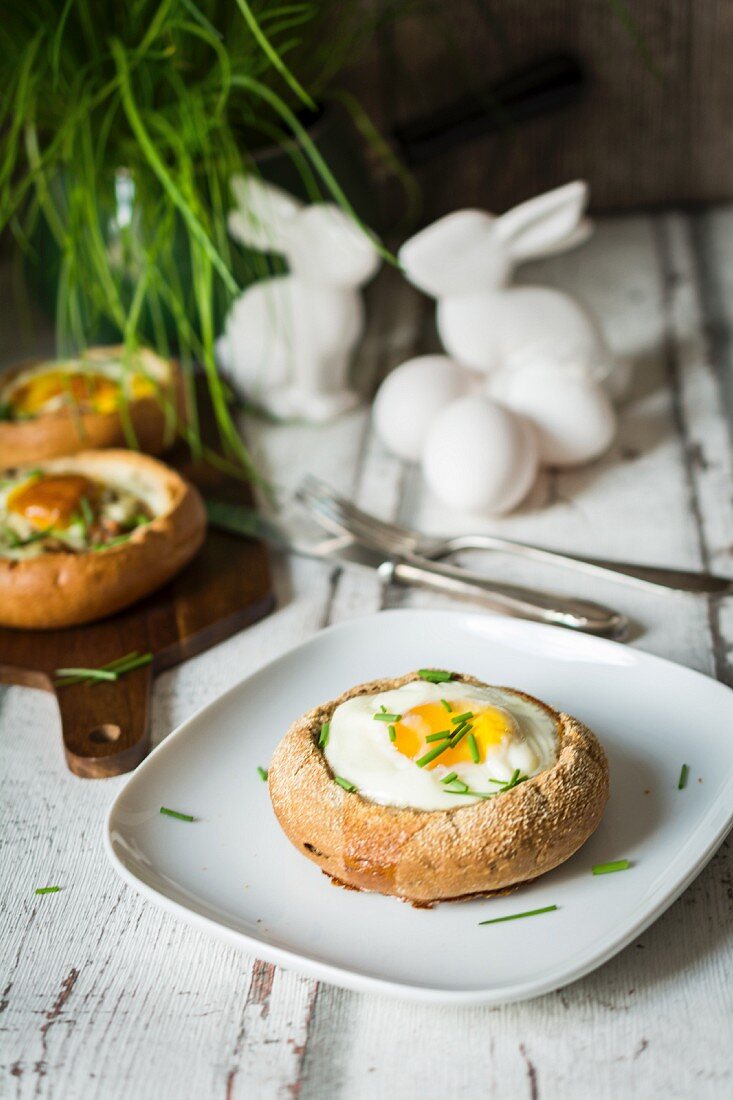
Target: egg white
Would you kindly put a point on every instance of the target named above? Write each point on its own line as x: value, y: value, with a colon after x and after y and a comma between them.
x: 360, y: 751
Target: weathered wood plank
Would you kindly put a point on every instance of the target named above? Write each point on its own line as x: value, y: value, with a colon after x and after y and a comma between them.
x: 109, y: 998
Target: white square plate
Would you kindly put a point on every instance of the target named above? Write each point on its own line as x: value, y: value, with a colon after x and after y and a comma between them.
x: 234, y: 873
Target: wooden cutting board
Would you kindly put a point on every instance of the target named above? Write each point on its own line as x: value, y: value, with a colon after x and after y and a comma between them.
x: 106, y: 725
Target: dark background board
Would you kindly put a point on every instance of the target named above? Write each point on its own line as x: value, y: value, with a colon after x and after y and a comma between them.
x: 652, y: 126
x: 105, y: 725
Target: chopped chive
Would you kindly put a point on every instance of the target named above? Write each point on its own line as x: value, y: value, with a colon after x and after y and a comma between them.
x: 458, y: 787
x: 517, y: 916
x: 459, y: 733
x: 508, y: 784
x: 47, y: 889
x: 473, y: 749
x: 344, y: 783
x: 175, y: 813
x: 325, y: 734
x: 434, y: 675
x: 445, y: 705
x: 86, y: 673
x: 385, y: 717
x: 458, y: 719
x: 392, y: 733
x: 262, y: 772
x: 609, y: 868
x: 683, y: 777
x: 433, y: 754
x: 86, y: 512
x: 113, y: 666
x: 123, y: 667
x: 116, y: 668
x: 449, y: 778
x: 444, y: 735
x: 383, y: 708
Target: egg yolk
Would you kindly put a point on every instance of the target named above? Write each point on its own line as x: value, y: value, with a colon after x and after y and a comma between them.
x: 489, y: 726
x: 52, y: 500
x: 85, y: 389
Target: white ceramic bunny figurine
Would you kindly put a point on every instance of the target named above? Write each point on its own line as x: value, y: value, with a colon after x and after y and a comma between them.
x: 288, y: 340
x: 465, y: 261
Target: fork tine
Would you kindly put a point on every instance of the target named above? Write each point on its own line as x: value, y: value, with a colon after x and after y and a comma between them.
x: 322, y: 498
x: 334, y: 514
x: 317, y: 490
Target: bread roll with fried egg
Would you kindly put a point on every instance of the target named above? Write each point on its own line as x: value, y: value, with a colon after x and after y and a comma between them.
x: 428, y: 805
x: 59, y: 407
x: 84, y: 536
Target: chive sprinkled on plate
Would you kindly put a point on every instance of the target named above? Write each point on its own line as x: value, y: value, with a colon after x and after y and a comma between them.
x: 685, y: 771
x: 325, y: 734
x: 175, y: 813
x: 518, y: 916
x: 473, y: 749
x: 392, y: 733
x: 443, y: 735
x: 450, y: 777
x: 609, y: 868
x: 459, y: 719
x: 47, y: 889
x: 446, y: 705
x: 434, y: 675
x: 344, y: 783
x: 386, y: 717
x: 262, y: 772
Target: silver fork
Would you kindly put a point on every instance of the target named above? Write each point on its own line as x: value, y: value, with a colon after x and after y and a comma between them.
x: 341, y: 515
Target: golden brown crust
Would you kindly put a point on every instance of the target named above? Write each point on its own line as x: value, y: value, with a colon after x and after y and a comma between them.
x: 64, y: 589
x: 67, y: 431
x: 425, y: 856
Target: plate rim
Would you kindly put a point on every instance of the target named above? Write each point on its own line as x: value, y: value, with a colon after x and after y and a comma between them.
x: 353, y: 979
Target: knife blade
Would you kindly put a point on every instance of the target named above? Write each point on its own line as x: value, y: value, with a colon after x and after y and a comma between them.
x: 297, y: 532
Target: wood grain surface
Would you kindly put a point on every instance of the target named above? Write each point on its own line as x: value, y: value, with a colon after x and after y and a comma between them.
x: 105, y: 726
x: 107, y: 997
x: 652, y: 127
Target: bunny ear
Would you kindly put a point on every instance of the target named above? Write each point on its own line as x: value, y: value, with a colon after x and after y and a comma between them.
x: 547, y: 224
x: 458, y: 253
x: 327, y: 247
x: 262, y: 215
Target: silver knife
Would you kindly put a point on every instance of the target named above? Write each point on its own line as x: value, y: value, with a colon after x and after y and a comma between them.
x: 298, y: 533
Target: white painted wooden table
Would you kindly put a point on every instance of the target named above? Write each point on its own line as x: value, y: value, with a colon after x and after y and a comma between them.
x: 105, y: 996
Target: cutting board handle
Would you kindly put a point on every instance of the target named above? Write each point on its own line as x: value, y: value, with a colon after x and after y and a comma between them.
x: 96, y: 747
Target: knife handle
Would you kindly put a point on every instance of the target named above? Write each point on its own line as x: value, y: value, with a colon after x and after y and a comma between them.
x: 543, y: 607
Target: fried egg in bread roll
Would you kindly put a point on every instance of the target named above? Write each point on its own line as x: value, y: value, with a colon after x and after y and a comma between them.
x: 84, y: 536
x: 437, y: 791
x: 104, y: 398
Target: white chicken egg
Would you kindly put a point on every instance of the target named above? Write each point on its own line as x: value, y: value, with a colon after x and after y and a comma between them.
x: 412, y: 396
x: 573, y: 418
x: 388, y: 745
x: 479, y: 457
